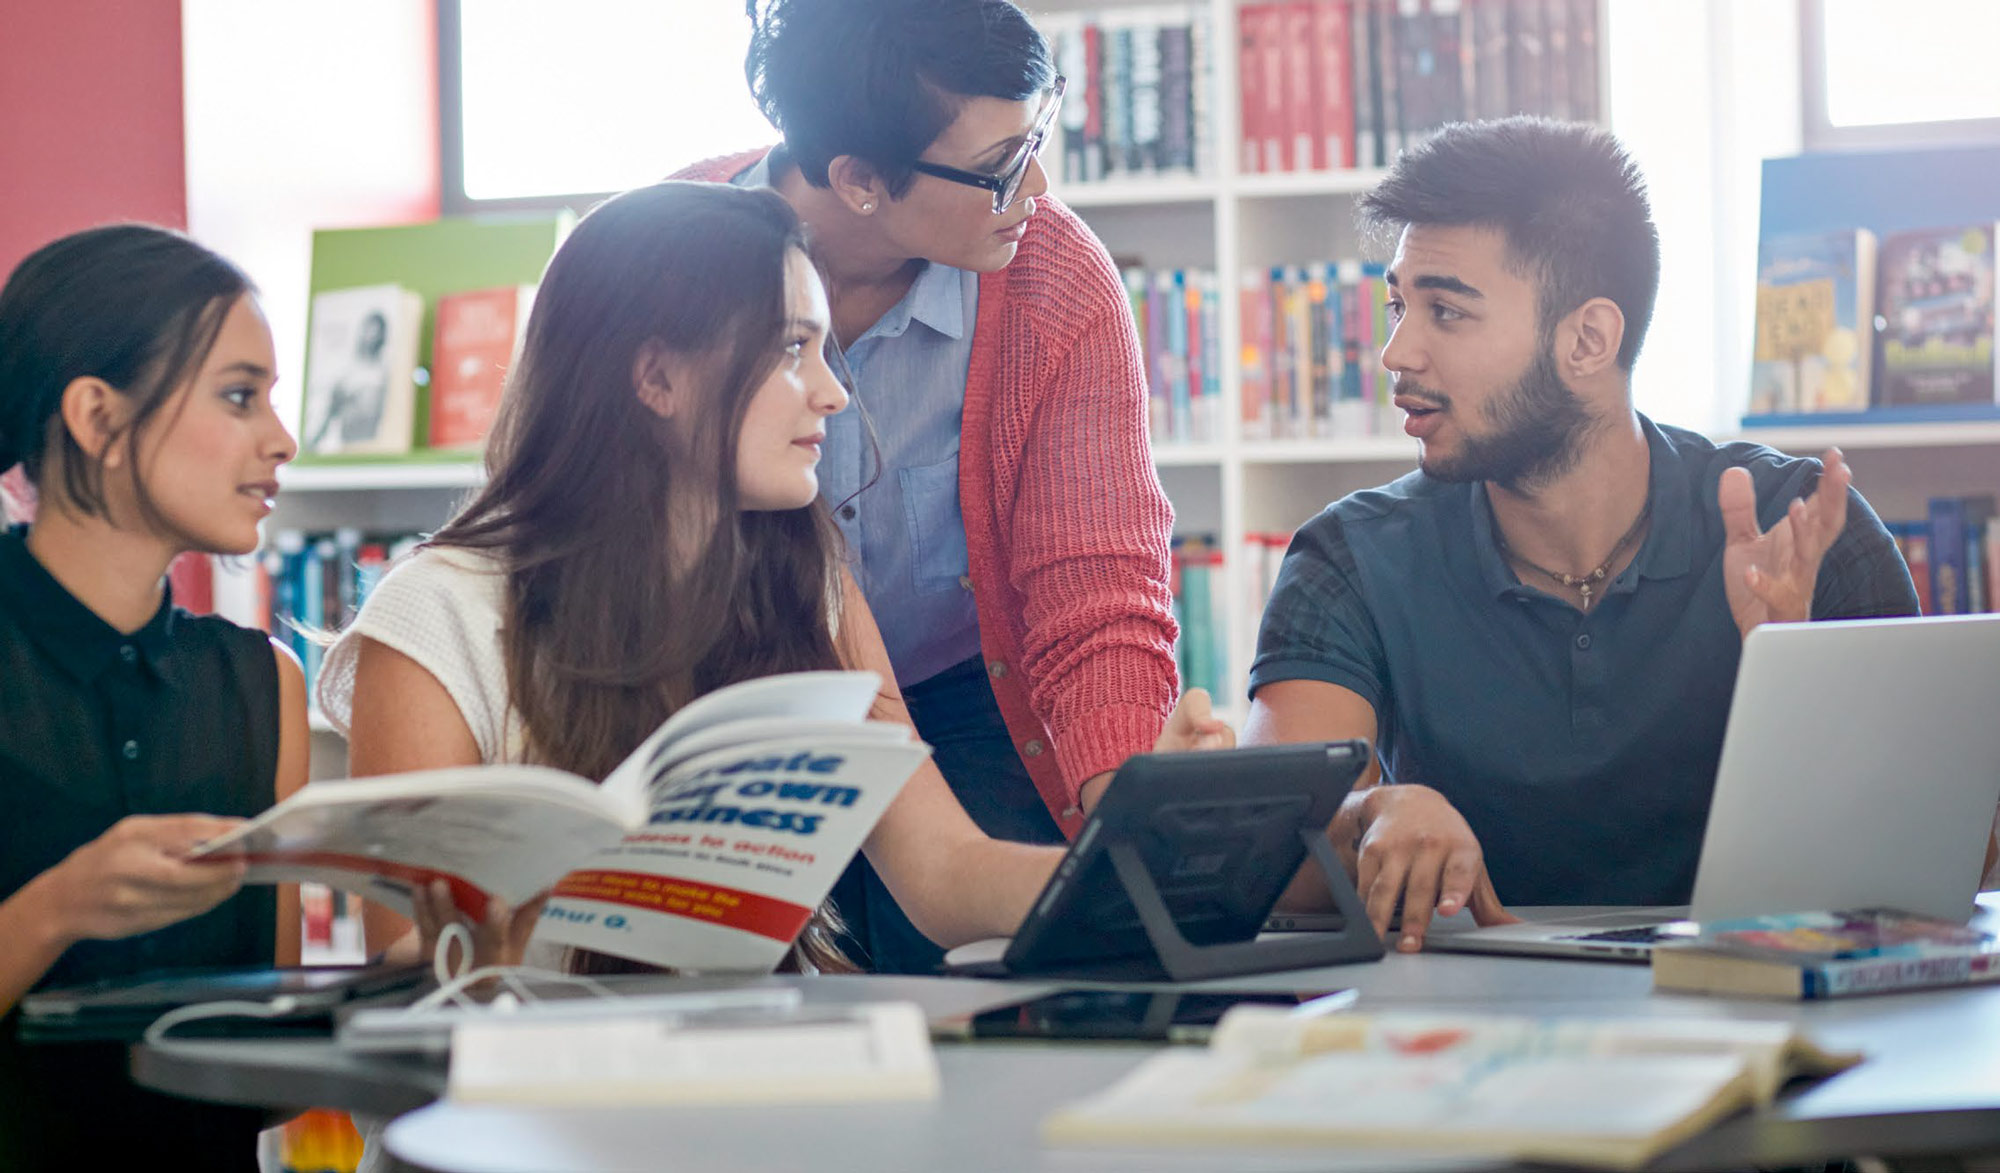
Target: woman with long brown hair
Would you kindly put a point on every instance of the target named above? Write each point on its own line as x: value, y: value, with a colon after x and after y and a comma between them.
x: 651, y: 530
x: 1016, y: 528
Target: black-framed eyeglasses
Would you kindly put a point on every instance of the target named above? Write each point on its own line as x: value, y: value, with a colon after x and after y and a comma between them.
x: 1005, y: 183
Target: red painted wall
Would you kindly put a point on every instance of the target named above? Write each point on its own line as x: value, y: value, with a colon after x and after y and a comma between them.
x: 90, y: 118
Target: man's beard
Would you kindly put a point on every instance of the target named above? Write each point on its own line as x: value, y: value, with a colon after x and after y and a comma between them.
x: 1536, y: 431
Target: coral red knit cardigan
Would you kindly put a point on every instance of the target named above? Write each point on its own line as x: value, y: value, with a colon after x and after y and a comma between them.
x: 1066, y: 524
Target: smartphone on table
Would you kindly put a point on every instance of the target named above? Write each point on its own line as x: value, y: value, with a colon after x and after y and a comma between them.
x: 1108, y: 1015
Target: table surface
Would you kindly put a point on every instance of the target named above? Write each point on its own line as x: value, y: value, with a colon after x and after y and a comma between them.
x: 1931, y: 1083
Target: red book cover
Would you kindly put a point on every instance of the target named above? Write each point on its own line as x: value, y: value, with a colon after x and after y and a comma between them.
x: 1302, y: 86
x: 1388, y: 70
x: 1197, y: 358
x: 1273, y: 129
x: 1254, y: 313
x: 1093, y: 88
x: 477, y: 334
x: 192, y: 576
x: 1250, y: 88
x: 1556, y: 54
x: 1333, y: 65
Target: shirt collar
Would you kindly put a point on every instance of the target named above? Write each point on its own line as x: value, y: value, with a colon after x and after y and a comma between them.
x: 758, y: 174
x: 75, y: 637
x: 936, y: 299
x: 1668, y: 549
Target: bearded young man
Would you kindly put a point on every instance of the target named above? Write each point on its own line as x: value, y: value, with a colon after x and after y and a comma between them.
x: 1540, y: 627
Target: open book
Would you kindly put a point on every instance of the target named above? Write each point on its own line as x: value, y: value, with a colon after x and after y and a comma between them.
x: 706, y: 849
x: 1606, y: 1093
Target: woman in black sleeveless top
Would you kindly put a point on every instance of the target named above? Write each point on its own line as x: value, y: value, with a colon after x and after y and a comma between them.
x: 135, y: 377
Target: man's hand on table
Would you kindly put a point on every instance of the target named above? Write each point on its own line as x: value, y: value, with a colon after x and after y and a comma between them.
x: 1406, y: 843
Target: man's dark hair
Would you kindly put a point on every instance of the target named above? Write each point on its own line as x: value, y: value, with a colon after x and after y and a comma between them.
x: 1568, y: 199
x: 881, y: 79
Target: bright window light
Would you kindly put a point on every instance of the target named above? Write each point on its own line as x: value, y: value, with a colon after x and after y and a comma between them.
x: 570, y: 96
x: 1895, y: 61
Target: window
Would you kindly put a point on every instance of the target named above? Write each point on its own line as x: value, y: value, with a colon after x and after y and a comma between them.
x: 550, y: 102
x: 1884, y: 73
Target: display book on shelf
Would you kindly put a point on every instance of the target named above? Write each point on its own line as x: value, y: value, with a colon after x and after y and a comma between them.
x: 363, y: 369
x: 1876, y: 289
x: 1851, y: 330
x: 411, y: 329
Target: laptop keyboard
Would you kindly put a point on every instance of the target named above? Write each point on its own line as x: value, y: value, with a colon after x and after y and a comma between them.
x: 1643, y: 935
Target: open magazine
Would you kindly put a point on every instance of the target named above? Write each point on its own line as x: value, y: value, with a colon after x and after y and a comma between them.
x: 706, y: 849
x: 1607, y: 1093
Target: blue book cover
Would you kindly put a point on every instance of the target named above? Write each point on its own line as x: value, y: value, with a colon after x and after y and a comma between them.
x: 1957, y: 527
x: 1814, y: 334
x: 1827, y: 954
x: 1936, y: 307
x: 1172, y: 289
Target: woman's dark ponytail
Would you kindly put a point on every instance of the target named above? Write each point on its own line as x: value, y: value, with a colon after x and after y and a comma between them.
x: 131, y: 304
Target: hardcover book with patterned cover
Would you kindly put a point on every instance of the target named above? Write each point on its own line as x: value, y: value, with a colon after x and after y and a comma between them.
x: 1811, y: 955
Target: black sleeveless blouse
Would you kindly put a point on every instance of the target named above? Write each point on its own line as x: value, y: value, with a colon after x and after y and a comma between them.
x: 178, y: 717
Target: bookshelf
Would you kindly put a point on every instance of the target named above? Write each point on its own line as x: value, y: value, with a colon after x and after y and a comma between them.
x: 1228, y: 220
x: 1224, y: 220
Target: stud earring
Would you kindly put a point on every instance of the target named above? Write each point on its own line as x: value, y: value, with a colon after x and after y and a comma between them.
x: 869, y: 206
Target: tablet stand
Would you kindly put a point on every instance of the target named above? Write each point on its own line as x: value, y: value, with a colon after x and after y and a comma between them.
x: 1185, y: 961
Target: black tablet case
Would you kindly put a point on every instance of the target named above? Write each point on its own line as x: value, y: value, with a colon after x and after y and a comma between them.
x: 1177, y: 868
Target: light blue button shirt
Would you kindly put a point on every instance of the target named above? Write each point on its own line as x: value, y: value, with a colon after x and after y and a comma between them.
x: 904, y: 521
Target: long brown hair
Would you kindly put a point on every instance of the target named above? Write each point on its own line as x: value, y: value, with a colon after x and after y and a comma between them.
x: 634, y: 581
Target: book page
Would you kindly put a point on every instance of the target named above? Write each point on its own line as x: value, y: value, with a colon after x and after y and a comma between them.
x: 1593, y: 1091
x: 1606, y: 1111
x: 504, y: 831
x: 1767, y: 1050
x: 740, y: 846
x: 876, y: 1051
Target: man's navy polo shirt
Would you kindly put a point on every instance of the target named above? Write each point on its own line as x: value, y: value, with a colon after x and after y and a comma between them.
x: 1581, y: 748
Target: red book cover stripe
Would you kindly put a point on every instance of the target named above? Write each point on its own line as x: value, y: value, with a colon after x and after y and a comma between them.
x: 733, y: 908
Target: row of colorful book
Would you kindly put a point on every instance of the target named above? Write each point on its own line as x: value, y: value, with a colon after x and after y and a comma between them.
x: 308, y: 585
x: 1177, y: 312
x: 1202, y: 653
x: 1312, y: 341
x: 1139, y: 85
x: 1900, y: 331
x: 364, y: 371
x: 1953, y: 554
x: 1328, y: 84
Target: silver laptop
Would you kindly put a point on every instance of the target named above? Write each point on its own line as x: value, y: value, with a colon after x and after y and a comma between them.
x: 1860, y: 768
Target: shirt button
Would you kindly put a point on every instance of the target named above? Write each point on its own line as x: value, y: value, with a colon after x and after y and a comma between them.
x: 128, y: 653
x: 1583, y: 642
x: 131, y: 751
x: 1033, y: 749
x: 847, y: 513
x: 996, y: 669
x: 965, y: 581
